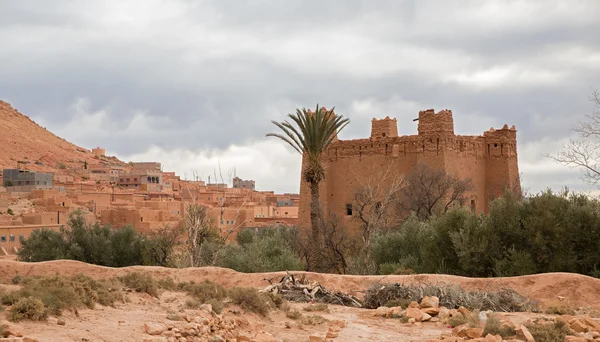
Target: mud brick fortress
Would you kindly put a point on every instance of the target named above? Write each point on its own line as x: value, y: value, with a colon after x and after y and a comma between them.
x: 489, y: 160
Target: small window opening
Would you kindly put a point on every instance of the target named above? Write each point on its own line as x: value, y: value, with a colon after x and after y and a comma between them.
x: 495, y: 145
x: 383, y: 134
x: 473, y: 205
x: 349, y: 209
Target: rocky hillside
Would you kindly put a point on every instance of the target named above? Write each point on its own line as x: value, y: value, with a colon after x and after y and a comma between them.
x: 25, y: 143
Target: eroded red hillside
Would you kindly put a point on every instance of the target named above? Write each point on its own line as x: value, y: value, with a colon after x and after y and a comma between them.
x: 24, y: 142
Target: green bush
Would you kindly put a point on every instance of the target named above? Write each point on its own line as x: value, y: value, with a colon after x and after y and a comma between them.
x: 547, y: 232
x: 267, y: 251
x: 96, y: 244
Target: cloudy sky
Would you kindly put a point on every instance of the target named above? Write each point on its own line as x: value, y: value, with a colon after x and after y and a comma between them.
x: 194, y: 84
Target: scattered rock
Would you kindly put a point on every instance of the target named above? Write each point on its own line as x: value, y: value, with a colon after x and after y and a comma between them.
x: 382, y: 311
x: 61, y: 321
x: 153, y: 328
x: 523, y: 334
x: 206, y: 307
x: 316, y: 338
x: 430, y: 302
x: 431, y: 311
x: 474, y: 332
x: 414, y: 313
x: 464, y: 311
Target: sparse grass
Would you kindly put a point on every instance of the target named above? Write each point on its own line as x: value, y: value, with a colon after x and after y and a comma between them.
x: 549, y: 332
x: 140, y: 282
x: 313, y: 320
x: 193, y: 304
x: 28, y: 308
x: 316, y: 307
x: 217, y: 305
x: 16, y: 280
x: 205, y: 291
x: 397, y: 302
x: 402, y: 318
x: 250, y: 299
x: 60, y: 293
x: 459, y: 319
x: 167, y: 284
x: 61, y: 166
x: 293, y: 314
x: 9, y: 298
x: 451, y: 296
x: 560, y: 308
x: 494, y: 326
x: 174, y: 317
x: 10, y: 211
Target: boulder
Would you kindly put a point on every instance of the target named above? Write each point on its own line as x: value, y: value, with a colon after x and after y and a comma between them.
x: 153, y: 328
x: 382, y: 311
x: 493, y: 338
x: 414, y: 313
x: 431, y: 311
x: 334, y: 328
x: 426, y: 317
x: 523, y: 334
x: 264, y: 336
x: 578, y: 326
x: 395, y: 311
x: 331, y: 334
x: 460, y: 330
x: 464, y: 311
x: 430, y: 302
x: 206, y: 307
x: 414, y: 304
x: 569, y: 338
x: 444, y: 314
x: 61, y: 321
x: 474, y: 332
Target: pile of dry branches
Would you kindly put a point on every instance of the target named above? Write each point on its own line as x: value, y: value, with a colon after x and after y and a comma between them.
x: 451, y: 296
x: 304, y: 291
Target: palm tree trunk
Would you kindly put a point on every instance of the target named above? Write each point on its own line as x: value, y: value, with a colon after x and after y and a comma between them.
x: 315, y: 216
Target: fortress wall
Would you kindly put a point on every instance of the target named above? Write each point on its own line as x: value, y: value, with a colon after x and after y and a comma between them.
x: 489, y: 160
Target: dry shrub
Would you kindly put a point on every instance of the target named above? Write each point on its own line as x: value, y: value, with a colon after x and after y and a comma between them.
x: 140, y: 282
x: 250, y: 299
x: 167, y: 284
x: 313, y: 320
x: 293, y: 314
x: 494, y: 326
x: 58, y: 293
x: 205, y: 291
x: 28, y: 308
x: 174, y: 317
x: 549, y: 332
x: 451, y: 296
x: 560, y: 308
x: 472, y: 319
x: 397, y: 302
x: 316, y: 307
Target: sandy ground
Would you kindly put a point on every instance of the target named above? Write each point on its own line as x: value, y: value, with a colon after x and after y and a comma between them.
x: 578, y: 289
x: 125, y: 322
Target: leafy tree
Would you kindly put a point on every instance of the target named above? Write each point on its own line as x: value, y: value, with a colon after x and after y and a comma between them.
x: 310, y: 133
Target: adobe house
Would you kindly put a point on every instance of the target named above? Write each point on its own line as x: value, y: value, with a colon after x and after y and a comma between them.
x: 243, y: 184
x: 489, y: 160
x: 25, y: 180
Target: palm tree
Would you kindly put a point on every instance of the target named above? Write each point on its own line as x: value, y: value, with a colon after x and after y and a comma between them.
x: 310, y: 136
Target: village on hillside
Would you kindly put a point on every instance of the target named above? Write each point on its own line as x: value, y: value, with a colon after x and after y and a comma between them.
x: 139, y: 194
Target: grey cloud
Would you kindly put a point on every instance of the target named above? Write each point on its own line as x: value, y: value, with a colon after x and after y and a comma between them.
x: 209, y: 74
